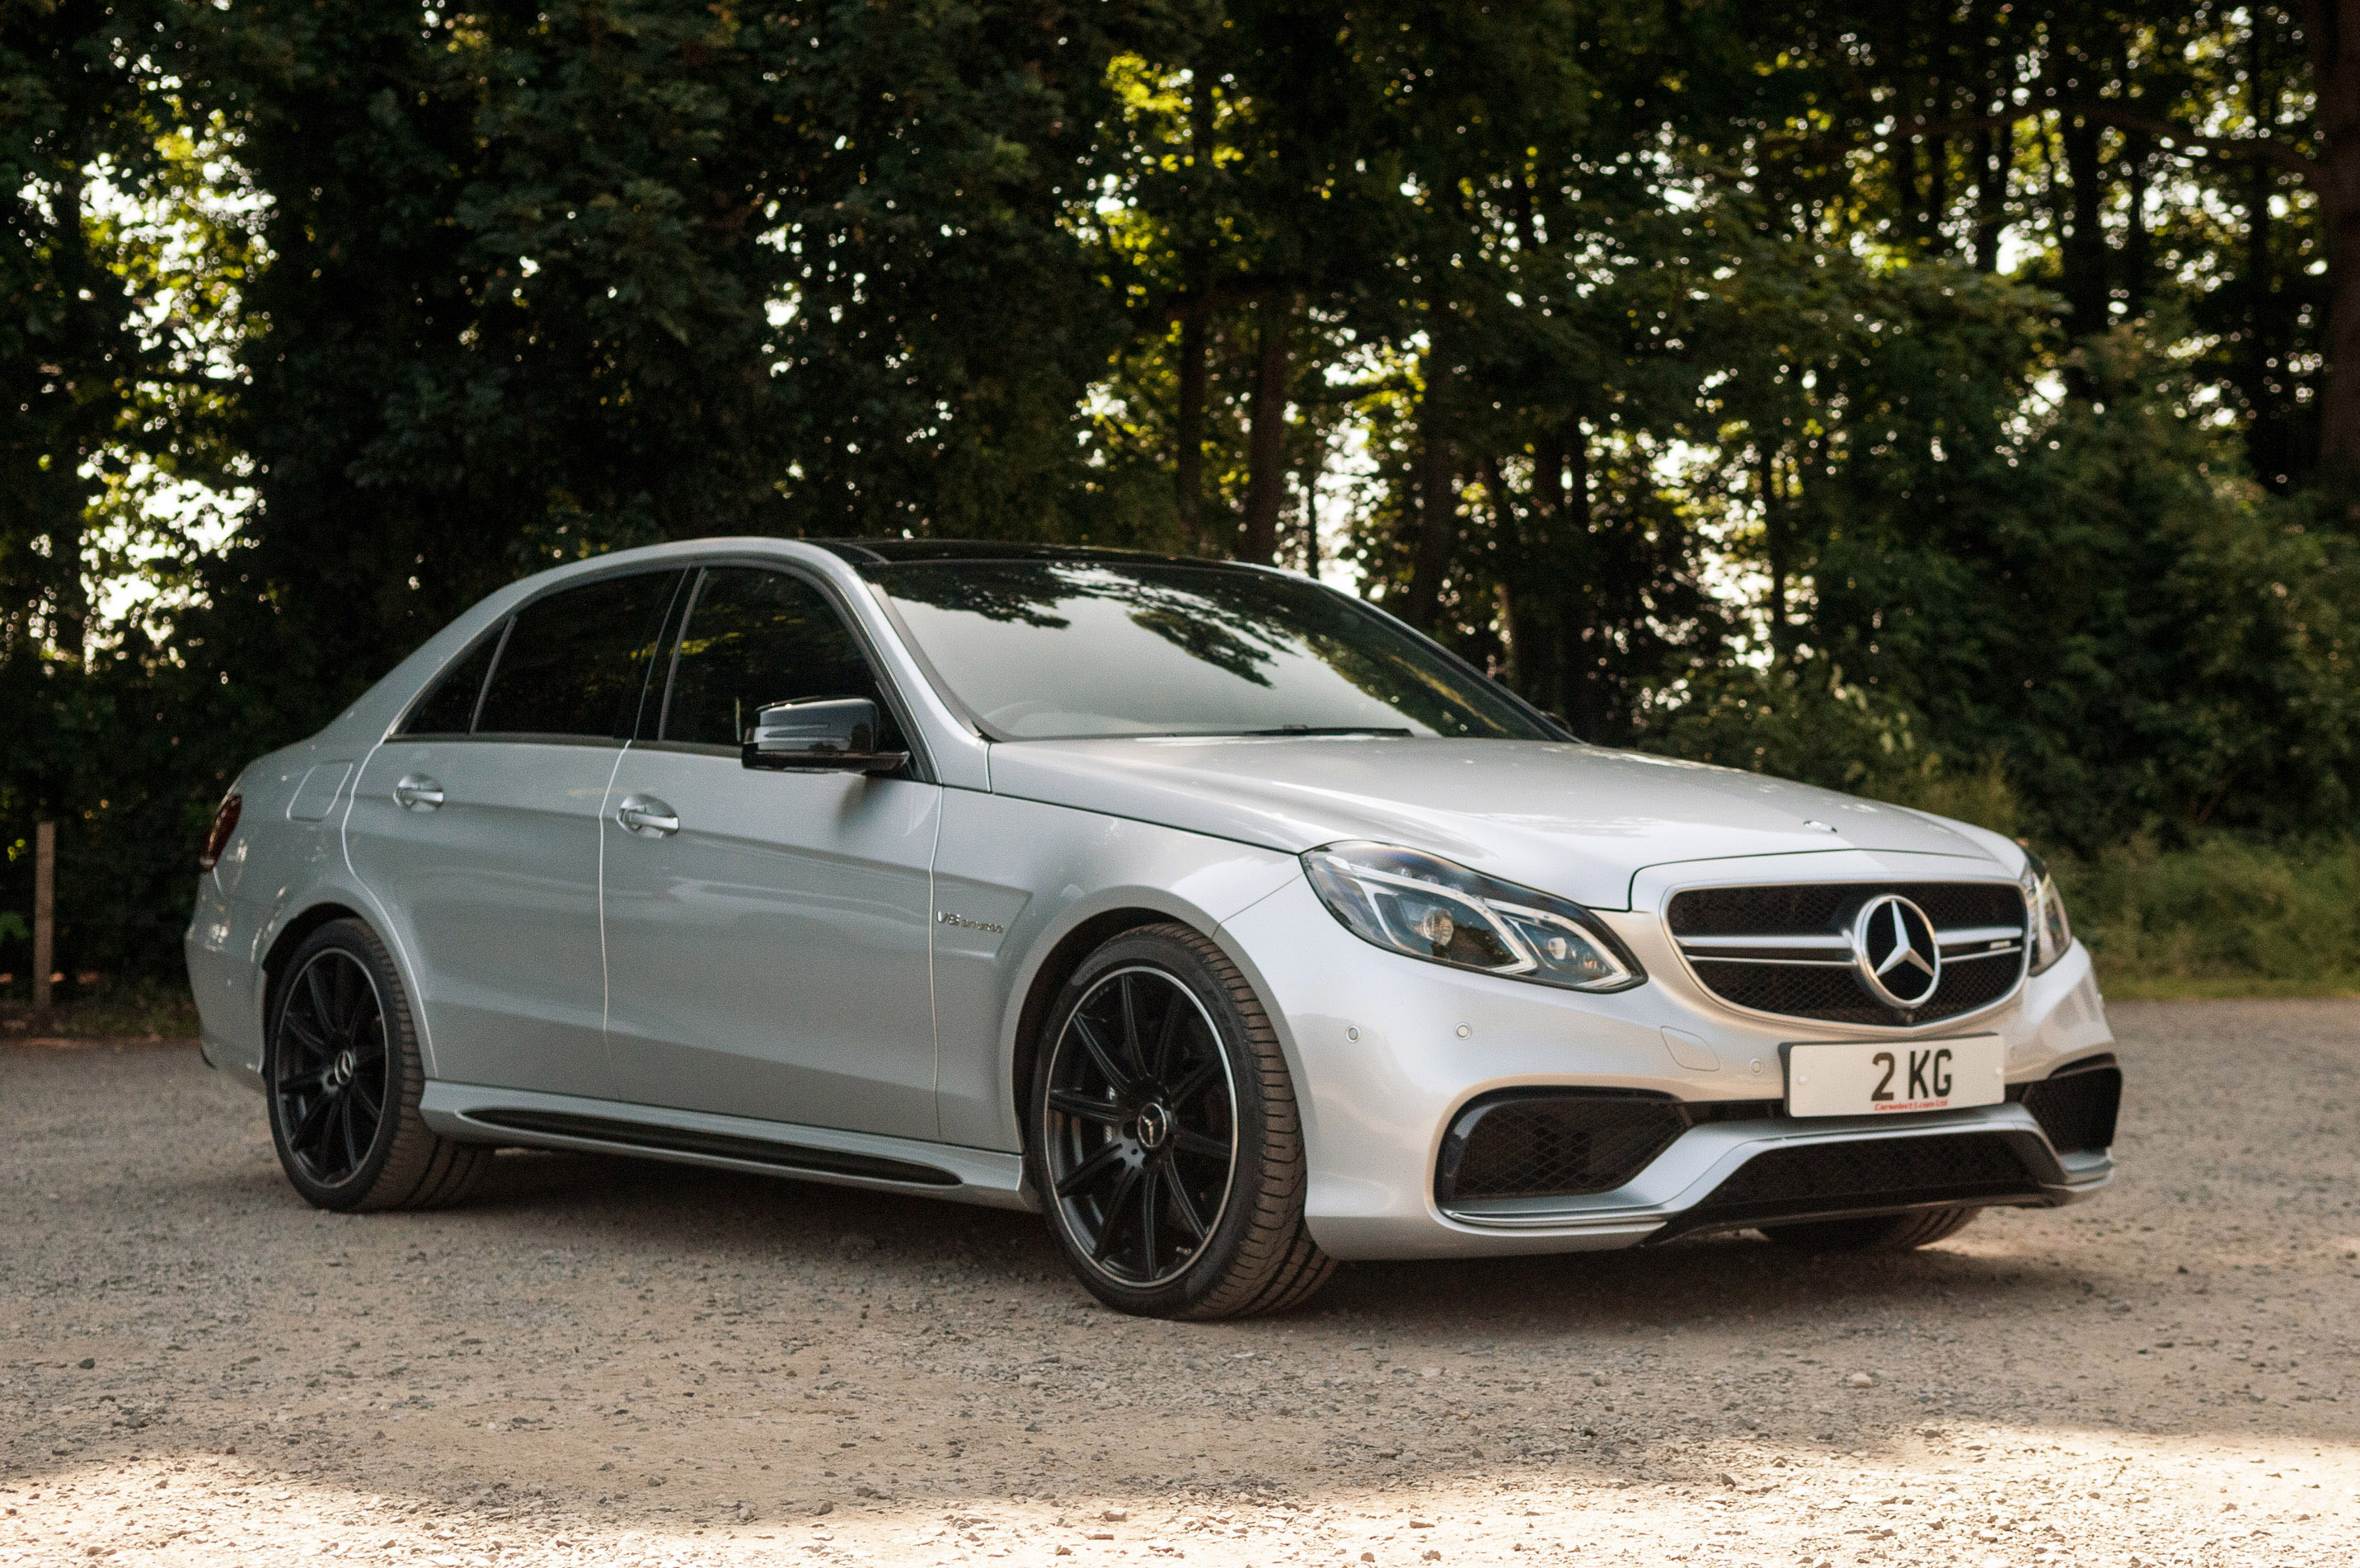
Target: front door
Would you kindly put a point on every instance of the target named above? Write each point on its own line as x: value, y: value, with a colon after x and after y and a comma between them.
x: 476, y: 828
x: 767, y: 932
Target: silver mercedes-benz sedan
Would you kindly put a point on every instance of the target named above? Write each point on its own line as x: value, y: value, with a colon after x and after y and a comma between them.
x: 1216, y: 914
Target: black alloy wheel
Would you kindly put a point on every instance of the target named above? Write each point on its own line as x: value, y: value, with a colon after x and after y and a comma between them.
x: 1143, y: 1126
x: 1163, y: 1135
x: 332, y: 1077
x: 344, y: 1072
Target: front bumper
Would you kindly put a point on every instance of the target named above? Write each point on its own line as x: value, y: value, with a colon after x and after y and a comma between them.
x: 1386, y: 1051
x: 1706, y: 1181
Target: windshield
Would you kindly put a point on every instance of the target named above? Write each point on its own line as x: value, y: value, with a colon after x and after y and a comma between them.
x: 1043, y: 650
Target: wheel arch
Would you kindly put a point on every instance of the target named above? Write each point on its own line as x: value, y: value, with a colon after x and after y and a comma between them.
x: 1057, y: 967
x: 288, y: 937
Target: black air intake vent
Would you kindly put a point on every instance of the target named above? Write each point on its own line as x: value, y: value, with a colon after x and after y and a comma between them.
x: 1869, y: 1175
x: 2077, y: 1105
x: 1558, y: 1143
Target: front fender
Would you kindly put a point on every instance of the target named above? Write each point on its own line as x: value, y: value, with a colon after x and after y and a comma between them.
x: 1014, y: 881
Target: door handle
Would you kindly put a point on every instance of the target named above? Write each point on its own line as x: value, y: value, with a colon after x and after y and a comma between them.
x: 416, y: 792
x: 644, y: 814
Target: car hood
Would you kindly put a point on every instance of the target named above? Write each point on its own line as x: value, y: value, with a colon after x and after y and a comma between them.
x: 1577, y: 820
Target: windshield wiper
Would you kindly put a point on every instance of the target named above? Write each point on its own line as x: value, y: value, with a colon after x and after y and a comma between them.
x: 1330, y: 729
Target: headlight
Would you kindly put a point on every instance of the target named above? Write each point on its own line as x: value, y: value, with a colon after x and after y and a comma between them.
x: 2050, y: 933
x: 1431, y: 909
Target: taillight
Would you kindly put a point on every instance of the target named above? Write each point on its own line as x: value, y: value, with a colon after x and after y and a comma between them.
x: 217, y: 836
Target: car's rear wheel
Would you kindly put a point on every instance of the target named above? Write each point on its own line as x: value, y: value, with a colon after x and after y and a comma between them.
x: 1874, y: 1233
x: 1163, y: 1138
x: 344, y: 1077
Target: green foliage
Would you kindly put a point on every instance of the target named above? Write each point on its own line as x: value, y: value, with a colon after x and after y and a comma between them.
x: 2226, y: 915
x: 1865, y: 395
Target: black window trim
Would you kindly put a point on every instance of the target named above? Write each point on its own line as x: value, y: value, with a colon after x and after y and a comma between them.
x: 679, y: 572
x: 921, y: 767
x: 496, y: 633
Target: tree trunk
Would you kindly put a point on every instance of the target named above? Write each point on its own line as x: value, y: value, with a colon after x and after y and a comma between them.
x: 1312, y: 468
x: 2138, y: 247
x: 1266, y: 443
x: 2086, y: 248
x: 1189, y: 428
x: 1514, y: 551
x: 1777, y: 546
x: 1994, y: 149
x: 1437, y: 510
x: 1577, y: 695
x: 1196, y: 329
x: 2265, y: 428
x: 2332, y: 27
x: 82, y: 286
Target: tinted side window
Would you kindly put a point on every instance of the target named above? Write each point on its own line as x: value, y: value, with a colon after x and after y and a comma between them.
x: 754, y: 638
x: 576, y: 661
x: 449, y: 706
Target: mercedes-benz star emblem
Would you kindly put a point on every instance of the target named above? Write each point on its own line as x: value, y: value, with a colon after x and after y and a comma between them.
x: 1894, y: 949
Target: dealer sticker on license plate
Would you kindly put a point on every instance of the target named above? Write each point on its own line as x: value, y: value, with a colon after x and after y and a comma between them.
x: 1872, y: 1078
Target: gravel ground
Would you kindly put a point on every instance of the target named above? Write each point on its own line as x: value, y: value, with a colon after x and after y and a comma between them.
x: 603, y: 1361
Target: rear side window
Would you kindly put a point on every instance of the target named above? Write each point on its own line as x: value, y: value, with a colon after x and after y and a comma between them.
x: 449, y: 706
x: 575, y: 662
x: 754, y: 638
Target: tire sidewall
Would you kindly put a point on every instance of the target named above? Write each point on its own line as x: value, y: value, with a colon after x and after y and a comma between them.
x: 1150, y: 948
x: 355, y: 940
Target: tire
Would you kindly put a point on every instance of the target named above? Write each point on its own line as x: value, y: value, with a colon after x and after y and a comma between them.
x: 1874, y: 1233
x: 342, y: 1076
x: 1162, y: 1138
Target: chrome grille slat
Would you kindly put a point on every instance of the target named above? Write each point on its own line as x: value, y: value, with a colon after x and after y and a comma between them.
x: 1784, y: 948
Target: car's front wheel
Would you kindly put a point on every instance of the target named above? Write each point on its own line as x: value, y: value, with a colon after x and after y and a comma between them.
x: 1163, y: 1138
x: 344, y: 1077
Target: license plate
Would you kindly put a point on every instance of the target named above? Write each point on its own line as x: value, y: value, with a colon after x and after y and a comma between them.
x: 1870, y: 1080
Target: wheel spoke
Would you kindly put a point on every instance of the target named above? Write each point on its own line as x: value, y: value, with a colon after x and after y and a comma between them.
x: 1085, y: 1107
x: 302, y: 1083
x: 306, y: 1035
x: 1186, y: 1142
x: 1174, y: 1015
x: 1184, y: 1207
x: 308, y: 1132
x: 1104, y: 1059
x: 1091, y: 1171
x: 323, y: 1005
x: 1193, y: 1084
x: 1134, y: 1050
x: 1117, y: 1210
x: 1150, y: 1184
x: 352, y: 1138
x: 352, y: 999
x: 371, y: 1106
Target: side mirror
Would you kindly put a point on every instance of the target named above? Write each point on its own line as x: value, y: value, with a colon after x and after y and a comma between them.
x: 826, y: 734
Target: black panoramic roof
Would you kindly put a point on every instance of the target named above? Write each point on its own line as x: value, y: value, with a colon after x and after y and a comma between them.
x: 906, y: 551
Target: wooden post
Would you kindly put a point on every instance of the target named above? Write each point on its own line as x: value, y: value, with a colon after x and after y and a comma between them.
x: 44, y: 912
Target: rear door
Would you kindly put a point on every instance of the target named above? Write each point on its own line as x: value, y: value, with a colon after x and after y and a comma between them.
x: 767, y: 932
x: 476, y: 827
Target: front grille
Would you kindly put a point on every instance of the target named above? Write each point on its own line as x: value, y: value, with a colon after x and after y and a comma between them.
x: 1869, y: 1175
x: 2077, y: 1105
x: 1835, y: 995
x: 1784, y: 948
x: 1558, y: 1143
x: 1824, y: 907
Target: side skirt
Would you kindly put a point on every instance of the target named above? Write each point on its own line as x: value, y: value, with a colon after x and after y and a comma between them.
x: 479, y: 1113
